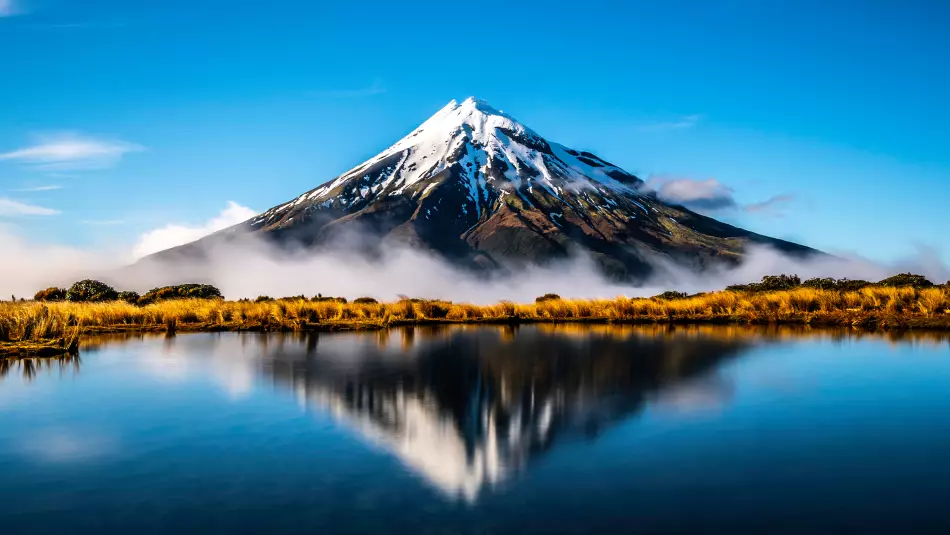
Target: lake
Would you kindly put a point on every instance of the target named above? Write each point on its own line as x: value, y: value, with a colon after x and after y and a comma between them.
x: 532, y: 429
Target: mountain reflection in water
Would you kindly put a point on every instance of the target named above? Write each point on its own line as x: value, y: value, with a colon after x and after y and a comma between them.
x: 539, y: 429
x: 468, y: 407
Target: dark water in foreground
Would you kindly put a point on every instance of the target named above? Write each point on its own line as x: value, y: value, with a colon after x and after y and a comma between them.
x: 482, y: 430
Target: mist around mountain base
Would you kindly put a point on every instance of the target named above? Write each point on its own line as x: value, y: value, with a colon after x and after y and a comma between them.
x: 256, y: 267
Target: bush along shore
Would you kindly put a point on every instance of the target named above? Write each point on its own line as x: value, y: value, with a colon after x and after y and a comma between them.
x: 54, y: 320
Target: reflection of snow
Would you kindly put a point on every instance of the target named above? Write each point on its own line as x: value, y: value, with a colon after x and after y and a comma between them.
x: 458, y: 457
x: 699, y: 395
x: 428, y: 443
x: 428, y: 440
x: 66, y: 445
x: 466, y: 409
x: 435, y: 446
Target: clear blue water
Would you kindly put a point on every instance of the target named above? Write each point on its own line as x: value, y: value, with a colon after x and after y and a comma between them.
x: 481, y: 430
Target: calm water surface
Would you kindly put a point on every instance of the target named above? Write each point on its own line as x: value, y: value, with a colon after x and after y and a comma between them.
x: 481, y: 430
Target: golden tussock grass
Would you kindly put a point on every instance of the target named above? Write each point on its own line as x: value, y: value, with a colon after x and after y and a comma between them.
x: 876, y: 307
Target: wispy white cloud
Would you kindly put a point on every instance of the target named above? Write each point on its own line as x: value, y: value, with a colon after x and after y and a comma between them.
x: 711, y: 195
x: 173, y: 235
x: 39, y: 188
x: 9, y: 8
x: 376, y: 88
x: 11, y: 208
x: 70, y: 151
x: 772, y: 205
x: 678, y: 123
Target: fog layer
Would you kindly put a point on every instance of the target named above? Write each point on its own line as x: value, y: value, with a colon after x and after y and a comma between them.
x: 255, y: 268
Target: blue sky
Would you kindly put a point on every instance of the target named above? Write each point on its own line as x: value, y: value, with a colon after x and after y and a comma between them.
x: 153, y: 113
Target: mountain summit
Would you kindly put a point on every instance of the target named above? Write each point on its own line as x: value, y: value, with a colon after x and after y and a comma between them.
x: 477, y: 187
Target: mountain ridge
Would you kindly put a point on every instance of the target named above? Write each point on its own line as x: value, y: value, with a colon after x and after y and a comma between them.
x: 475, y: 186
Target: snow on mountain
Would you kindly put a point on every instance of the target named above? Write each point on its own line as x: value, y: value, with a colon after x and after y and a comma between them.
x: 477, y: 187
x: 497, y: 155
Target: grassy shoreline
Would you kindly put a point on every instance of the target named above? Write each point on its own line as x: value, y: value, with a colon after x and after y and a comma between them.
x: 44, y: 328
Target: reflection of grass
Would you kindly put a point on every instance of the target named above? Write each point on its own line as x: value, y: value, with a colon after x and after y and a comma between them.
x: 873, y: 307
x: 28, y: 367
x: 29, y: 330
x: 39, y: 348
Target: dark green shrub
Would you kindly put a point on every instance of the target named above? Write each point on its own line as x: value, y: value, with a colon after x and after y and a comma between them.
x: 181, y: 291
x: 671, y: 295
x: 129, y: 297
x: 365, y: 301
x: 434, y: 309
x: 548, y: 297
x: 420, y: 300
x: 157, y: 294
x: 202, y: 291
x: 821, y: 284
x: 907, y: 279
x: 848, y: 285
x: 770, y: 283
x: 263, y: 299
x: 50, y: 294
x: 773, y: 283
x: 91, y: 291
x: 320, y: 298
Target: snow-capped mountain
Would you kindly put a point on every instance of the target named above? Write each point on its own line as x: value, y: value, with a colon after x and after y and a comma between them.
x: 474, y: 185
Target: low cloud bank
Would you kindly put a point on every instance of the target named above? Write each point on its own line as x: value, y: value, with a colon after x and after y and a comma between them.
x: 173, y: 235
x: 27, y: 267
x: 255, y: 268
